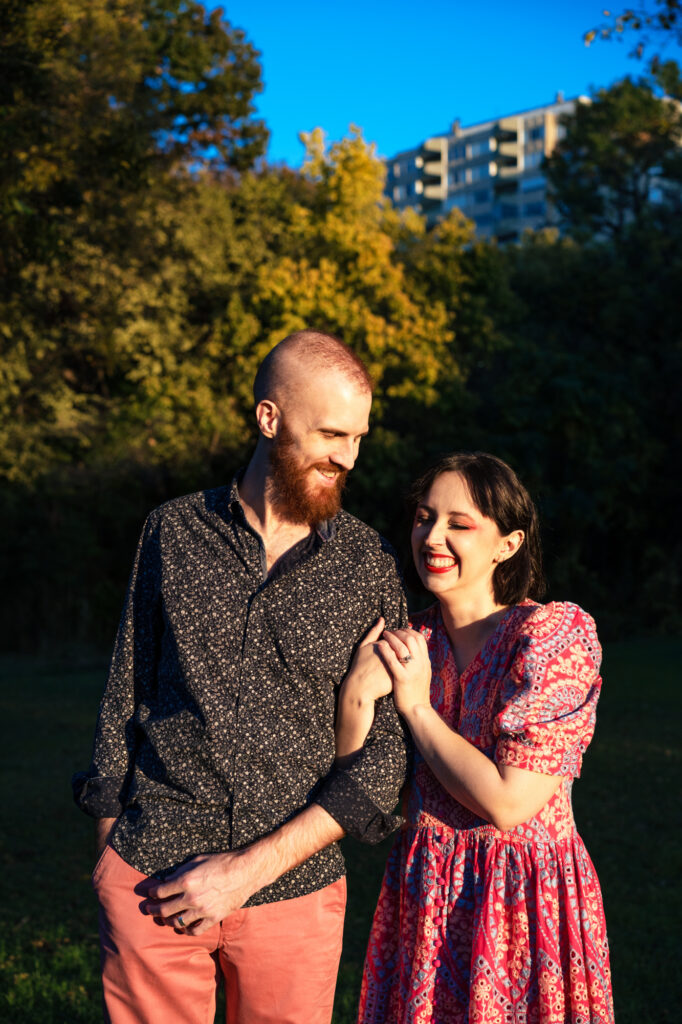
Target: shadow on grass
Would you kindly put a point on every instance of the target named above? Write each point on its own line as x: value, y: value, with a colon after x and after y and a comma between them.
x: 627, y: 807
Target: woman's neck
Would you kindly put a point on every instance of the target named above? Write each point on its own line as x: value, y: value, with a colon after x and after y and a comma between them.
x: 469, y: 626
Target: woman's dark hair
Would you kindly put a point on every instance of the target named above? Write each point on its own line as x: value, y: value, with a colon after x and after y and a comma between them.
x: 498, y: 494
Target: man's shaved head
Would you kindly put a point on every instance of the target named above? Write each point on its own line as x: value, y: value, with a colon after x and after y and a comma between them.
x: 296, y: 360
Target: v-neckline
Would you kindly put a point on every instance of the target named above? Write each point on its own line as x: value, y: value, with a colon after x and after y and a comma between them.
x: 479, y: 653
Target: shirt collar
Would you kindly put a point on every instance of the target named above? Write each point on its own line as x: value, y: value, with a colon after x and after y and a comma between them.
x: 326, y: 530
x: 233, y: 500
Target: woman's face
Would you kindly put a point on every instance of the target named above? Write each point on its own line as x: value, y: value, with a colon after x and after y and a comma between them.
x: 456, y: 548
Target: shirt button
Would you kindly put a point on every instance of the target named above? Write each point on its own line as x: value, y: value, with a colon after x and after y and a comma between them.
x: 436, y: 963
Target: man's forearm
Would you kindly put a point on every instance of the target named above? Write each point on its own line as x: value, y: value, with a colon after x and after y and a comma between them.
x: 211, y: 886
x: 291, y: 844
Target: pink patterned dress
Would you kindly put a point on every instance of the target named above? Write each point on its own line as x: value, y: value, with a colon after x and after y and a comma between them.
x: 479, y: 925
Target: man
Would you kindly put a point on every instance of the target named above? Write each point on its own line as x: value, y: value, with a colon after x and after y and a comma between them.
x: 212, y: 776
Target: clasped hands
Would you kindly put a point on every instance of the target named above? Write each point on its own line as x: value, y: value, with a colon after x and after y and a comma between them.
x: 200, y: 893
x: 211, y: 886
x: 391, y: 661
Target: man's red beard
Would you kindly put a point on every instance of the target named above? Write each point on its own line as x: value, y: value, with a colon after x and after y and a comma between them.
x: 294, y: 495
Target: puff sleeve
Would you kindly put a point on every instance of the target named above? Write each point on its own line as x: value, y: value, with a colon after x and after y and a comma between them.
x: 551, y: 692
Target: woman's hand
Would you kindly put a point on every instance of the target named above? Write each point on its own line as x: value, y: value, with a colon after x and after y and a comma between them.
x: 502, y: 794
x: 367, y: 680
x: 407, y: 658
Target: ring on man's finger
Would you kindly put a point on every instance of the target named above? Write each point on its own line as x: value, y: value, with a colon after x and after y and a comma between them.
x: 404, y: 660
x: 180, y: 921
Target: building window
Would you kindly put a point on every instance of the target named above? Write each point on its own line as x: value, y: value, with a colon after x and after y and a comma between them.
x: 479, y: 148
x: 458, y: 152
x: 534, y: 210
x: 536, y: 133
x: 458, y: 177
x: 484, y: 219
x: 398, y: 193
x: 534, y: 159
x: 508, y: 210
x: 462, y: 201
x: 533, y: 184
x: 482, y: 196
x: 480, y: 172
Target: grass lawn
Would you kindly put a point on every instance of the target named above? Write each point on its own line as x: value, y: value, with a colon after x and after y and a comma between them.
x: 627, y: 806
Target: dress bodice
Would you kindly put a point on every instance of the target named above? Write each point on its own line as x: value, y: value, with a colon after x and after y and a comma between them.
x: 518, y: 702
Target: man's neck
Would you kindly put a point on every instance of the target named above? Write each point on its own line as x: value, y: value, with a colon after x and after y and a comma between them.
x: 277, y: 533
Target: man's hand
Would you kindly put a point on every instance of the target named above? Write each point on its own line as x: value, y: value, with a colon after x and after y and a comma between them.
x: 204, y: 891
x: 210, y: 887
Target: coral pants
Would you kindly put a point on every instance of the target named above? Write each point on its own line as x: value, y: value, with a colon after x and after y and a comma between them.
x: 279, y: 960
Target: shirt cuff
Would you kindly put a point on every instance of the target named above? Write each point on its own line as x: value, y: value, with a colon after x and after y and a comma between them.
x: 352, y: 808
x: 99, y: 796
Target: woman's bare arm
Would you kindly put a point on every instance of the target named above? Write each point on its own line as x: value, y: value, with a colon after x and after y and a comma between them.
x: 367, y: 680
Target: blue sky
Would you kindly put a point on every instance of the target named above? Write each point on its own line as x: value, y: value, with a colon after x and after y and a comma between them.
x: 404, y: 70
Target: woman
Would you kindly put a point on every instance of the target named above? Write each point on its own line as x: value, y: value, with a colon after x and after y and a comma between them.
x: 490, y: 909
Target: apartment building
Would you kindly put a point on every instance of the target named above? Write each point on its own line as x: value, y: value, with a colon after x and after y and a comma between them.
x: 492, y: 171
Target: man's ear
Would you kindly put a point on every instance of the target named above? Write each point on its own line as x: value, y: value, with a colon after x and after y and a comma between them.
x: 268, y: 418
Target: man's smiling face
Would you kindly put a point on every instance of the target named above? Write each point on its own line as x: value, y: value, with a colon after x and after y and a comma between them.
x: 316, y: 446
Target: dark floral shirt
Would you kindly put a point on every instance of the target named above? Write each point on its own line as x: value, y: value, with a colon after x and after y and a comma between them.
x: 217, y: 720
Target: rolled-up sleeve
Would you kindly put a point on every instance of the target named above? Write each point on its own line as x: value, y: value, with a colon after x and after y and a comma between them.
x: 100, y: 791
x: 361, y: 798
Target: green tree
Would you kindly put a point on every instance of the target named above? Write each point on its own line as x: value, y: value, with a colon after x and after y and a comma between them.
x: 581, y: 401
x: 118, y: 89
x: 657, y: 23
x: 101, y: 99
x: 616, y: 150
x: 112, y: 110
x: 341, y: 269
x: 654, y: 28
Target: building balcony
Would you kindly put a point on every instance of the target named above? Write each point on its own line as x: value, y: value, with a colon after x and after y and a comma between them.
x: 436, y: 144
x: 435, y: 193
x: 505, y: 136
x: 507, y: 160
x: 434, y: 169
